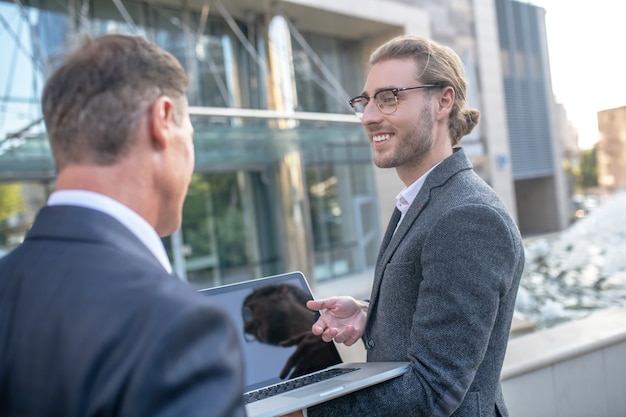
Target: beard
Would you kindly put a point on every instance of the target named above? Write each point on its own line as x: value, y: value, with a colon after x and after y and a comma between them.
x: 410, y: 148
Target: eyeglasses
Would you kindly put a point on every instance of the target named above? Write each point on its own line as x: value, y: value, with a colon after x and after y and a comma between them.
x: 386, y: 100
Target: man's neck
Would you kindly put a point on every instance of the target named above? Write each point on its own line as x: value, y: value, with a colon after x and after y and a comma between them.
x: 409, y: 174
x: 113, y: 181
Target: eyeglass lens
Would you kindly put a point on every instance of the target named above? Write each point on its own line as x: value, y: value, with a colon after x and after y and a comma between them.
x: 386, y: 101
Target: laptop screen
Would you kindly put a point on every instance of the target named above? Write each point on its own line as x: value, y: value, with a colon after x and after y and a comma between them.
x: 274, y: 328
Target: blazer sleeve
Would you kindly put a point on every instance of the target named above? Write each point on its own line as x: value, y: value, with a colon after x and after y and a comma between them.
x: 468, y: 262
x: 191, y: 366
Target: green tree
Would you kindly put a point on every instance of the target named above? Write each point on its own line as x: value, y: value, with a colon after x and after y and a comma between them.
x: 588, y: 169
x: 10, y: 200
x: 213, y: 212
x: 11, y: 203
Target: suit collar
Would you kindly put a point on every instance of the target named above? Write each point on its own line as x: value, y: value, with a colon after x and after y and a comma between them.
x: 79, y: 224
x: 125, y: 215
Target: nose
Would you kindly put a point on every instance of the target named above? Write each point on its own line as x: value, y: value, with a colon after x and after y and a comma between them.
x: 371, y: 113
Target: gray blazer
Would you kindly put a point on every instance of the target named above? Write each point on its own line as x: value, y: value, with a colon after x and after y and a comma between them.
x: 91, y: 324
x: 443, y: 298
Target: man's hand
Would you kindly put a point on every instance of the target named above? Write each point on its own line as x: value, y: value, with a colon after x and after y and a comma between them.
x: 295, y: 414
x: 343, y: 319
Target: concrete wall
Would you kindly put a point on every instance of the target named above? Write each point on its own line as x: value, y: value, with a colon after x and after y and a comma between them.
x: 576, y: 369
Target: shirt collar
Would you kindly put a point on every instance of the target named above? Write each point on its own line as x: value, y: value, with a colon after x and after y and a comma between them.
x: 405, y: 198
x: 133, y: 221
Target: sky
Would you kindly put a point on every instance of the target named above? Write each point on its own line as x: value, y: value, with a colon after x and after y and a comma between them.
x: 587, y: 59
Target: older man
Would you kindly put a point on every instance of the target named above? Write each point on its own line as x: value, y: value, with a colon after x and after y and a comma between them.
x: 92, y: 323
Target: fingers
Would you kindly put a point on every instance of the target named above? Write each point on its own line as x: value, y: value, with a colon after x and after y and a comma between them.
x: 345, y: 334
x: 341, y: 317
x: 348, y: 336
x: 319, y: 326
x: 329, y: 334
x: 324, y: 324
x: 317, y: 305
x: 317, y: 329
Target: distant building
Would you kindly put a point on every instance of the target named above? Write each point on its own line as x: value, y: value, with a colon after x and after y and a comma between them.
x: 611, y: 149
x: 567, y: 135
x: 284, y: 178
x: 540, y: 184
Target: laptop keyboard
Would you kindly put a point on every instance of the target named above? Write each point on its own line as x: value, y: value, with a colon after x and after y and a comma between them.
x: 294, y: 383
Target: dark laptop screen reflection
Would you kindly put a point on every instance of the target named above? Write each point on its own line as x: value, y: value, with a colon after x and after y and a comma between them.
x: 276, y: 315
x: 275, y: 329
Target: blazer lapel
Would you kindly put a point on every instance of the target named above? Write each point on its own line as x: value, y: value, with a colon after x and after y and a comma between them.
x: 450, y: 166
x: 458, y: 161
x: 378, y: 272
x: 391, y: 227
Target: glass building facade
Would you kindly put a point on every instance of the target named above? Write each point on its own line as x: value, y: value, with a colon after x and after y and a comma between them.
x: 283, y: 177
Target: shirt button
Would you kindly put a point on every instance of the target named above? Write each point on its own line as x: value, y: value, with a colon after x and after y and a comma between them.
x: 369, y: 344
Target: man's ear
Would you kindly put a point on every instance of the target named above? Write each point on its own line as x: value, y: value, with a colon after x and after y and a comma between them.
x: 162, y: 117
x: 445, y: 102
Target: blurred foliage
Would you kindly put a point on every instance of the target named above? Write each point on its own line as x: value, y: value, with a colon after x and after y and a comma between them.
x: 213, y: 219
x: 585, y: 174
x: 11, y: 203
x: 588, y: 177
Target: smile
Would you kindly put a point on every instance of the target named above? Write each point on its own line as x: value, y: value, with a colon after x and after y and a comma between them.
x: 380, y: 138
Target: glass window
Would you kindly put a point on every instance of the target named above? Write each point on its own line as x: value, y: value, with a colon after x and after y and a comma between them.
x: 230, y: 222
x: 343, y: 218
x: 327, y: 78
x: 213, y: 228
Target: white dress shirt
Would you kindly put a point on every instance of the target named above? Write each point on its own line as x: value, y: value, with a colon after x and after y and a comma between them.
x: 133, y: 221
x: 405, y: 198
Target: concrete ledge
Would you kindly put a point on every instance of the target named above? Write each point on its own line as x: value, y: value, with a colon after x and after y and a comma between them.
x: 543, y: 348
x: 520, y: 326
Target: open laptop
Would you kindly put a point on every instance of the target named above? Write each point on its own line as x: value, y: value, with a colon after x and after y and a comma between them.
x: 287, y: 368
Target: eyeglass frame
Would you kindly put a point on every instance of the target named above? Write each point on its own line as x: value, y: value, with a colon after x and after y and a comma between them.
x: 394, y: 90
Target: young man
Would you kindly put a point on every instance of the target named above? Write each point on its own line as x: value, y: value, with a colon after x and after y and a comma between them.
x: 449, y: 265
x: 92, y: 323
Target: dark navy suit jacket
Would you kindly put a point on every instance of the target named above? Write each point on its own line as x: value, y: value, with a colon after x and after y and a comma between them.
x: 91, y: 324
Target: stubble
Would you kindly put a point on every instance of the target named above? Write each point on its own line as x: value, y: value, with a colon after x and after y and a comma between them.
x: 412, y: 147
